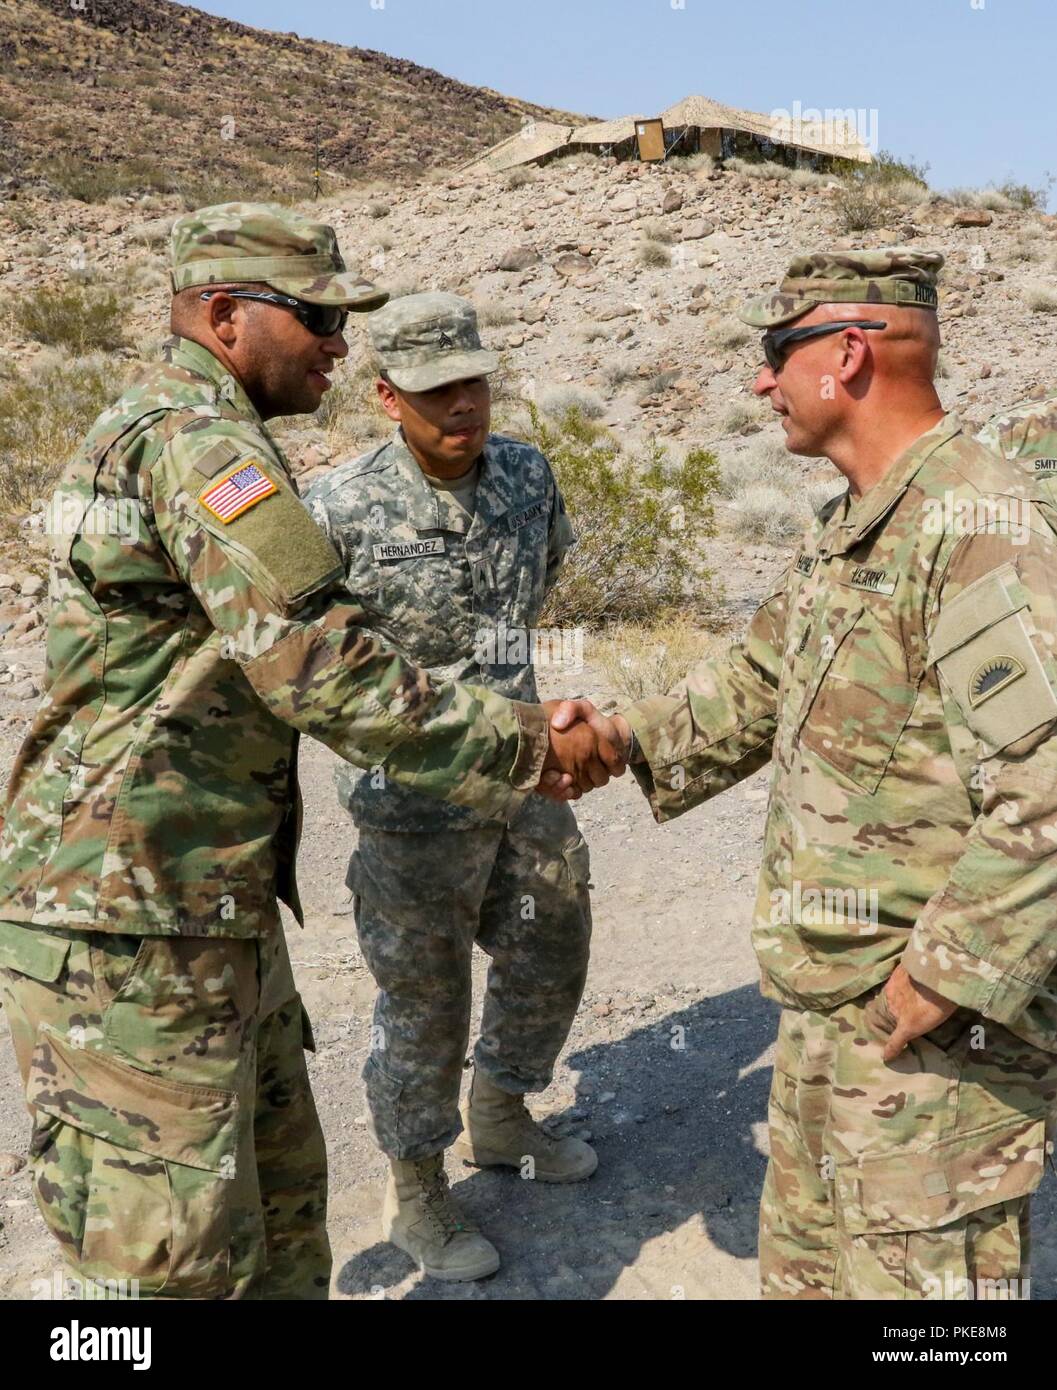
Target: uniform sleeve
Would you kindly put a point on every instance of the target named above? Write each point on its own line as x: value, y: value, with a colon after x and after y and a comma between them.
x: 988, y: 939
x: 320, y: 514
x: 271, y: 584
x: 718, y: 725
x: 993, y: 437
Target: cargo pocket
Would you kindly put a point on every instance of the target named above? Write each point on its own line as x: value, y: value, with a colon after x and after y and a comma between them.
x: 28, y: 951
x: 578, y: 861
x: 905, y: 1215
x: 384, y: 1093
x: 134, y: 1173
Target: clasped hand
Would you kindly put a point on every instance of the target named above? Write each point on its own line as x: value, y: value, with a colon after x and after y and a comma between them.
x: 586, y: 749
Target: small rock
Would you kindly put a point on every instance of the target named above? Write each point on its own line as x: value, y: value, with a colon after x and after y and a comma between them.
x: 627, y: 201
x: 973, y: 217
x: 10, y: 1164
x: 572, y: 264
x: 32, y: 585
x: 313, y: 457
x: 698, y: 228
x: 7, y: 581
x: 26, y: 623
x: 533, y: 314
x: 612, y: 309
x: 673, y: 201
x: 520, y: 258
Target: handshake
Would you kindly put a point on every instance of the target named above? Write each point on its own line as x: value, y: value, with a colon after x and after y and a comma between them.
x: 586, y: 749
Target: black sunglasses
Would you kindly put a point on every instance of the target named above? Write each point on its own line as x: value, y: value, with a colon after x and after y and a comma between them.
x: 777, y: 345
x: 324, y: 320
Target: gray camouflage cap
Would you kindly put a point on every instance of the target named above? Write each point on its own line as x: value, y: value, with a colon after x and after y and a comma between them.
x: 427, y: 340
x: 235, y: 242
x: 891, y: 275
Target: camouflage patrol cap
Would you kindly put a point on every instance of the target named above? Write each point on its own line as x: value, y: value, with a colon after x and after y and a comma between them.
x: 891, y: 275
x: 427, y: 340
x: 235, y: 242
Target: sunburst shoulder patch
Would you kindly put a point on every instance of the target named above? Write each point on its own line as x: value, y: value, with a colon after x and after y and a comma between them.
x: 991, y: 676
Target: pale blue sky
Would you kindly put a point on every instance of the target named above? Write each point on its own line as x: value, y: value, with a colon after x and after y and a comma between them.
x: 964, y: 85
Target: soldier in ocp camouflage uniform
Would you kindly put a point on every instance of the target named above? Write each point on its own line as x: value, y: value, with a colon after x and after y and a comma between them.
x: 451, y: 537
x: 901, y: 677
x: 153, y: 814
x: 1026, y: 434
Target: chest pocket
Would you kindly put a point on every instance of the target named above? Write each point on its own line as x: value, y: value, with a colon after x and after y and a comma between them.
x: 861, y: 696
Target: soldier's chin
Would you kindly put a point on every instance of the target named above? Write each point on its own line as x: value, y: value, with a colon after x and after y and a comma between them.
x: 796, y: 441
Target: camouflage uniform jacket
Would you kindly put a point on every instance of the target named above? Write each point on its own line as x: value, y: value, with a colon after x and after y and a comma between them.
x: 457, y: 596
x: 902, y: 679
x: 1027, y: 434
x: 156, y: 790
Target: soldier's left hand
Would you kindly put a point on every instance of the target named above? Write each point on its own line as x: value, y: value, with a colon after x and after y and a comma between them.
x: 915, y: 1008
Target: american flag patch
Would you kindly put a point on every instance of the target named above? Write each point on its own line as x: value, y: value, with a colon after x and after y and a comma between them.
x: 237, y: 491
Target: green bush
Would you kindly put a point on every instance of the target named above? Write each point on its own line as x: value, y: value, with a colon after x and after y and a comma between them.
x: 81, y: 318
x: 638, y: 527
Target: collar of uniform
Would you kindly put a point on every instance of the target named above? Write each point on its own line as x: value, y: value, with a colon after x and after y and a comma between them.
x: 183, y: 352
x: 850, y: 523
x: 492, y: 499
x: 421, y: 502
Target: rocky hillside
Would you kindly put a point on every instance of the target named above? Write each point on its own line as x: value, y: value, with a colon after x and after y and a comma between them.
x: 104, y: 96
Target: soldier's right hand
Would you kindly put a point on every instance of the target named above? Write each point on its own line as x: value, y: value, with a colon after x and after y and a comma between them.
x: 580, y: 748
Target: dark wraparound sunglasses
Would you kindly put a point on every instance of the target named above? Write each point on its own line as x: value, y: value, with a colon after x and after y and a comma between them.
x: 777, y: 345
x: 324, y: 320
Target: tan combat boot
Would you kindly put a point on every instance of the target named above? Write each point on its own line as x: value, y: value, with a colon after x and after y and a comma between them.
x: 420, y: 1216
x: 498, y: 1129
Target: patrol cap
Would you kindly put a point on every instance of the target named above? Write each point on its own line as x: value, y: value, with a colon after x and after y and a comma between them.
x: 427, y: 340
x: 235, y: 242
x: 890, y: 275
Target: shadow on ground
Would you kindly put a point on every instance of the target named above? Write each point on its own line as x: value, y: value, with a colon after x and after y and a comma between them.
x: 671, y: 1114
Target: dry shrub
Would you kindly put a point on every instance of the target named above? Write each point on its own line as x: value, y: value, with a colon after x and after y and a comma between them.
x: 641, y: 660
x: 77, y: 316
x: 557, y: 401
x: 653, y: 254
x: 44, y: 417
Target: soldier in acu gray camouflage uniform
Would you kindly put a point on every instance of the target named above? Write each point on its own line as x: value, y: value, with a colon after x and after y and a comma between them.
x: 451, y: 538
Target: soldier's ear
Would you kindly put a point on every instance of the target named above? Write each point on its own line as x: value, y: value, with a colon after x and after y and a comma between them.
x: 389, y: 398
x: 220, y: 311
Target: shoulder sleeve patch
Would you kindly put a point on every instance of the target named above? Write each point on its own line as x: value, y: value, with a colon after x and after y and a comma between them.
x: 237, y: 490
x: 983, y: 649
x: 278, y: 544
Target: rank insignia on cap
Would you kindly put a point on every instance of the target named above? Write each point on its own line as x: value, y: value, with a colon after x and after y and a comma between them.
x: 992, y: 676
x: 445, y: 341
x: 238, y: 490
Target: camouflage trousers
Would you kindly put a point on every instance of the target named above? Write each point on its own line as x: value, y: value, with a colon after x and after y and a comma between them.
x: 902, y: 1180
x: 421, y: 901
x: 176, y: 1151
